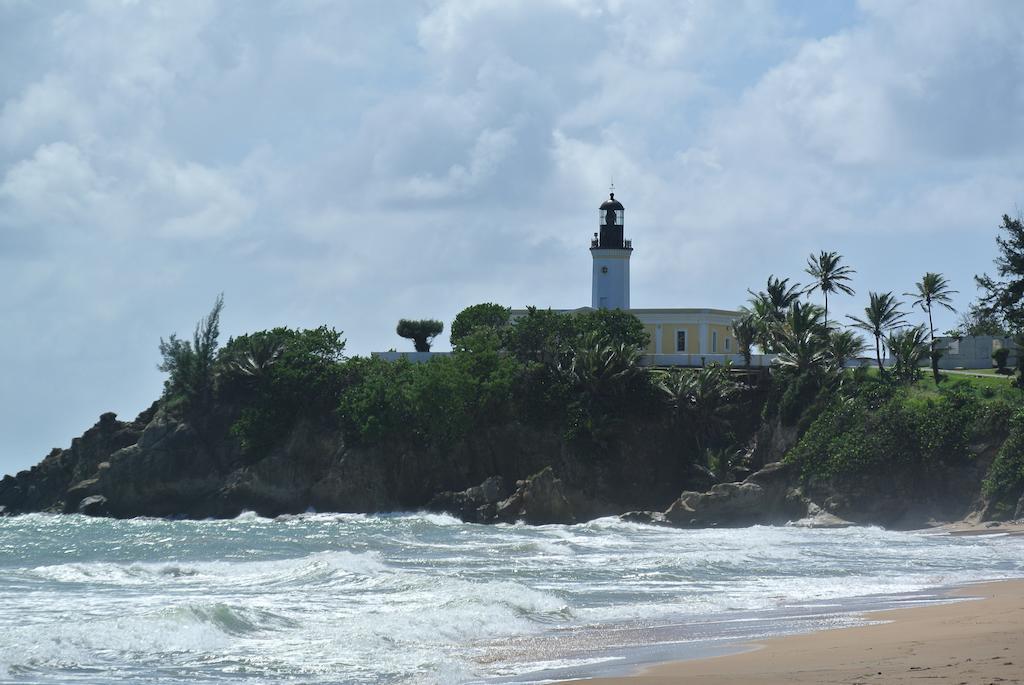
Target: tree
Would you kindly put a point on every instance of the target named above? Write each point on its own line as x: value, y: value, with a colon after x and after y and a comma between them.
x: 769, y: 308
x: 880, y: 316
x: 278, y: 377
x: 829, y: 276
x: 542, y: 335
x: 1004, y: 299
x: 252, y: 355
x: 909, y: 346
x: 421, y: 331
x: 744, y: 329
x: 801, y: 340
x: 190, y: 365
x: 842, y: 347
x: 932, y: 289
x: 486, y: 315
x: 977, y: 322
x: 700, y: 400
x: 605, y: 376
x: 616, y: 326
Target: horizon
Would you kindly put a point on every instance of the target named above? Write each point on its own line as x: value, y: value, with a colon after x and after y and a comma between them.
x: 350, y: 166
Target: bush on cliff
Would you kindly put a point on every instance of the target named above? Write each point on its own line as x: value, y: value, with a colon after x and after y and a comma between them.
x: 1006, y: 476
x: 279, y: 377
x: 880, y: 429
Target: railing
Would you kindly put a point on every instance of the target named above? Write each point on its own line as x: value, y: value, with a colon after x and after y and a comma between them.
x: 699, y: 360
x: 626, y: 244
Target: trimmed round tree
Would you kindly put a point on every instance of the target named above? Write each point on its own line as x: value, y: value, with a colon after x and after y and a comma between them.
x: 421, y: 331
x: 486, y: 315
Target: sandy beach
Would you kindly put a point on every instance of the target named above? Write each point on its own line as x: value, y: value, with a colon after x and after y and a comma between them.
x: 968, y: 642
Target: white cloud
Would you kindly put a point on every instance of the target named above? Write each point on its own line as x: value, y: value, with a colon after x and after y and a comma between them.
x: 357, y: 162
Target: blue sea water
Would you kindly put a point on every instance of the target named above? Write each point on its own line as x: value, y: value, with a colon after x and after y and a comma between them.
x: 424, y: 598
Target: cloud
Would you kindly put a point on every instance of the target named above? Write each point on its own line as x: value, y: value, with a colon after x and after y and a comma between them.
x: 357, y: 163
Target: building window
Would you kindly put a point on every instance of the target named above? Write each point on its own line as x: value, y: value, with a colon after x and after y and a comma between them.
x: 727, y: 341
x: 680, y: 341
x: 714, y: 341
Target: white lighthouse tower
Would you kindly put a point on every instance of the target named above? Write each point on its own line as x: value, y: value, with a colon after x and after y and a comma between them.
x: 611, y: 258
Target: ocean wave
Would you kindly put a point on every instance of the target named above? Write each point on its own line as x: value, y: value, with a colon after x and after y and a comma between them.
x: 320, y: 566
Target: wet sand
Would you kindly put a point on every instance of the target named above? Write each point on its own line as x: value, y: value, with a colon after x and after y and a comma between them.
x: 968, y: 642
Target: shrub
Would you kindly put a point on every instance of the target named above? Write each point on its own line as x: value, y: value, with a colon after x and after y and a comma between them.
x: 1000, y: 356
x: 190, y: 365
x: 884, y: 431
x: 1006, y: 476
x: 279, y: 377
x: 488, y: 316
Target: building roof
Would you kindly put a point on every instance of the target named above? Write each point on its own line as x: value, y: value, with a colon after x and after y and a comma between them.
x: 611, y: 203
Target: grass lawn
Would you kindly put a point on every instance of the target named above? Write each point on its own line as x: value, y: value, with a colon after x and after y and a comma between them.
x: 991, y: 371
x: 986, y: 384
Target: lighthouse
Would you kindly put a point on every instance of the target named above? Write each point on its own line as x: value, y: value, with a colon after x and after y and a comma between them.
x: 610, y: 252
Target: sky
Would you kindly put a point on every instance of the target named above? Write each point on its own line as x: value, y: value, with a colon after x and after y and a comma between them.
x: 354, y: 163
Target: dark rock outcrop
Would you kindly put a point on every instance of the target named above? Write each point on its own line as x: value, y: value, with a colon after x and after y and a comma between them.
x: 94, y: 505
x: 539, y: 499
x: 651, y: 518
x: 766, y: 497
x: 478, y: 504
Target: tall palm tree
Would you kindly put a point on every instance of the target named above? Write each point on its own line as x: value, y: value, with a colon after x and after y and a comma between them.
x: 880, y: 316
x: 769, y: 307
x: 829, y: 276
x: 932, y: 289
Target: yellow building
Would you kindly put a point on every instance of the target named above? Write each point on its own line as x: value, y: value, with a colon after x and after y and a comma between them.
x: 688, y: 331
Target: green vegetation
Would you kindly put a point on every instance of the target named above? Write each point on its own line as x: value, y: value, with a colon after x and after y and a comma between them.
x: 1005, y: 479
x: 909, y: 347
x: 280, y: 377
x: 1003, y: 300
x: 1000, y: 356
x: 421, y: 331
x: 880, y: 316
x: 190, y: 366
x: 933, y: 289
x: 488, y: 316
x: 829, y: 276
x: 877, y: 429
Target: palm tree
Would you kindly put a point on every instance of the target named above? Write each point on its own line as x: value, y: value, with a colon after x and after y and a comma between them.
x: 769, y: 308
x: 700, y: 400
x: 843, y: 346
x: 932, y: 289
x: 744, y: 329
x: 880, y: 316
x: 829, y: 276
x: 908, y: 349
x: 801, y: 340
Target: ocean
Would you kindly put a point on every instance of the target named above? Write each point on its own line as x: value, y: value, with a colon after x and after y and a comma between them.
x: 424, y: 598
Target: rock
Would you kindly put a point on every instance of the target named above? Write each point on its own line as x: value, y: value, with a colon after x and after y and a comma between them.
x: 538, y: 500
x: 765, y: 497
x: 653, y: 518
x: 94, y: 505
x: 1019, y: 514
x: 819, y: 518
x: 478, y: 504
